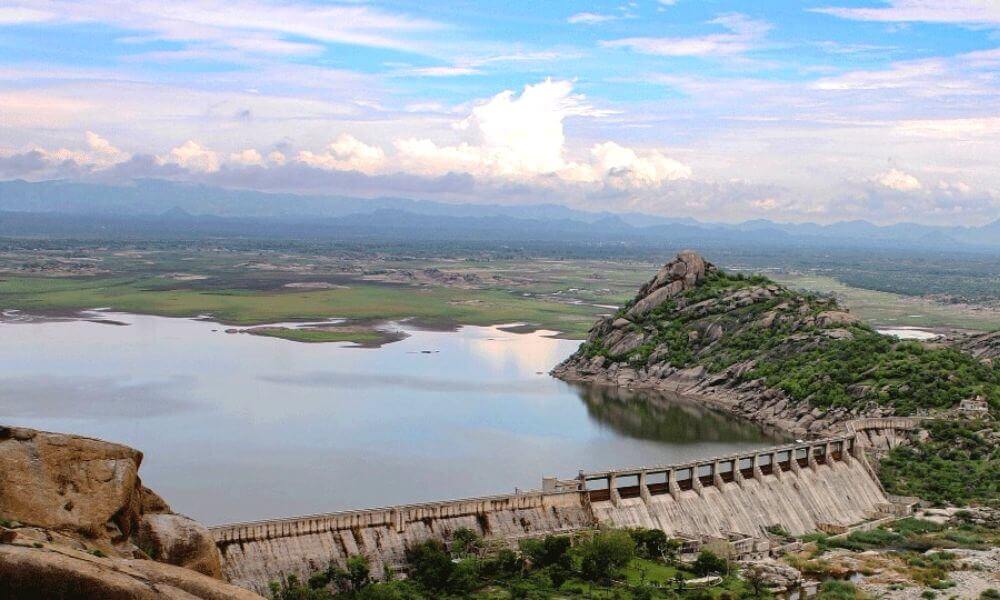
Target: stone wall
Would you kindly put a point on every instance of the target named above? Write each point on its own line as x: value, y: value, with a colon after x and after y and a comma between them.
x: 799, y: 487
x: 255, y: 553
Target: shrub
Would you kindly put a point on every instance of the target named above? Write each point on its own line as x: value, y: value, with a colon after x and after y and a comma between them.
x: 654, y: 544
x: 837, y: 590
x: 604, y: 554
x: 548, y: 551
x: 357, y: 571
x: 465, y: 541
x: 708, y: 563
x: 430, y: 565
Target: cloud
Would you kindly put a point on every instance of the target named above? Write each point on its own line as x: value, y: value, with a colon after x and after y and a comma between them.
x: 589, y: 18
x: 522, y: 138
x: 104, y: 152
x: 745, y: 34
x: 252, y: 26
x: 900, y: 75
x: 961, y: 12
x: 793, y: 149
x: 952, y: 129
x: 894, y: 179
x: 624, y: 167
x: 346, y: 153
x: 248, y: 157
x: 18, y: 15
x: 445, y: 71
x: 508, y: 135
x: 22, y: 164
x: 193, y: 156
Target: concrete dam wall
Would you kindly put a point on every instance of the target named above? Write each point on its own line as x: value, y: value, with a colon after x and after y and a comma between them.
x: 801, y: 487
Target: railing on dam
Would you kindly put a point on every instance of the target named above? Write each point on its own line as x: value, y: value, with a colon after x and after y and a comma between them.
x: 645, y: 482
x: 885, y: 423
x: 614, y: 485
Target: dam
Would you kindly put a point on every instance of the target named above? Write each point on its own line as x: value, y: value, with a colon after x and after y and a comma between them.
x: 807, y: 486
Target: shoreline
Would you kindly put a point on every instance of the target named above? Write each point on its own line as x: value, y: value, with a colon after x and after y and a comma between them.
x: 371, y: 332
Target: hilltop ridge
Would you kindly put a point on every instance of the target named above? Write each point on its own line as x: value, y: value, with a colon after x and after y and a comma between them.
x: 790, y: 359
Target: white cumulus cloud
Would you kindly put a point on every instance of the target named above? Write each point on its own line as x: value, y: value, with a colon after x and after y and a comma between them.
x: 894, y: 179
x: 193, y: 156
x: 346, y: 153
x: 624, y: 167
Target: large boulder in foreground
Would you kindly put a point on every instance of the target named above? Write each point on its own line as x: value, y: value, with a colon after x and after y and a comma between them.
x: 85, y: 495
x: 56, y: 572
x: 181, y: 541
x: 68, y: 483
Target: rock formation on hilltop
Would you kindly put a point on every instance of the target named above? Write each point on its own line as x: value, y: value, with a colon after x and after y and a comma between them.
x: 984, y: 346
x: 789, y: 359
x: 76, y: 522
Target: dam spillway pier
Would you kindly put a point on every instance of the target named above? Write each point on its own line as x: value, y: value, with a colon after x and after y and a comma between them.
x: 802, y: 487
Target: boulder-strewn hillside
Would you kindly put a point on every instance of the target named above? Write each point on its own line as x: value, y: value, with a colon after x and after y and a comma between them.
x: 76, y: 522
x: 985, y: 346
x: 791, y: 359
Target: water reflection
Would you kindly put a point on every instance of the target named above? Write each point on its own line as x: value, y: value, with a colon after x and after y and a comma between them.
x: 661, y: 415
x: 238, y: 427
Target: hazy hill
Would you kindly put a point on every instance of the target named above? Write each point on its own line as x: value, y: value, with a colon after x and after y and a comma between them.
x: 158, y: 208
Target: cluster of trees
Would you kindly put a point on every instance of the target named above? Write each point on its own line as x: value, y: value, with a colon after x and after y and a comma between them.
x: 539, y: 568
x: 872, y: 368
x: 959, y: 464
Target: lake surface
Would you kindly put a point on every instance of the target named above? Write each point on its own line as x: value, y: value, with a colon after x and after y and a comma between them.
x: 238, y: 427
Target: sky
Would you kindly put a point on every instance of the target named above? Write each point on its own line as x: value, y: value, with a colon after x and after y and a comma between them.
x: 722, y: 110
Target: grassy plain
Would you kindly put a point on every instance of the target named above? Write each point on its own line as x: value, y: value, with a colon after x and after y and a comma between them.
x: 438, y: 306
x: 254, y: 287
x: 313, y: 336
x: 885, y: 308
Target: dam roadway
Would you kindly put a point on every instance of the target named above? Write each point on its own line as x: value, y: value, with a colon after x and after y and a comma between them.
x: 801, y: 487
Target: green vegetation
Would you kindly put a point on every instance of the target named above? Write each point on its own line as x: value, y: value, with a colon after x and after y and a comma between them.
x: 610, y: 564
x: 839, y: 590
x: 310, y: 335
x: 918, y: 549
x: 958, y: 464
x: 874, y: 368
x: 857, y: 367
x: 875, y: 303
x: 444, y: 306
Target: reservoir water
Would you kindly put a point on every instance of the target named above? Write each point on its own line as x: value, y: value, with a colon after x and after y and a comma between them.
x: 239, y: 427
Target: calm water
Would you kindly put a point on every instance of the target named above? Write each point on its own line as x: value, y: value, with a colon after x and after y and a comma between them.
x: 238, y: 427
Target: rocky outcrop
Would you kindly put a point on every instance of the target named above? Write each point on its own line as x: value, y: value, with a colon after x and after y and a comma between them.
x: 178, y: 540
x: 69, y: 483
x: 56, y: 572
x: 985, y: 346
x: 75, y: 494
x: 696, y: 330
x: 775, y: 576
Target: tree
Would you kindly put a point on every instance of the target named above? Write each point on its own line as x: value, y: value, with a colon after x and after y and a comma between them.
x: 465, y: 541
x: 548, y: 551
x: 708, y: 563
x: 756, y: 583
x: 654, y: 544
x: 357, y: 571
x: 430, y: 565
x: 605, y: 554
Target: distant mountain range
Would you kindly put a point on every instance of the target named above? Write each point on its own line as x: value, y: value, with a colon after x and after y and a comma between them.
x: 159, y: 208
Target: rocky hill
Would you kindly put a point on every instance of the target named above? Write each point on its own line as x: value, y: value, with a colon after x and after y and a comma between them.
x: 76, y: 522
x: 771, y: 354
